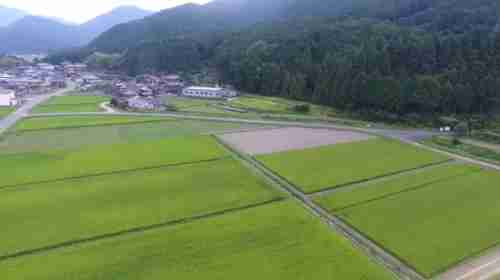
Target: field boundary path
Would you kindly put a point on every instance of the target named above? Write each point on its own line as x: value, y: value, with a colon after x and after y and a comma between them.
x: 372, y: 250
x: 481, y: 144
x: 25, y: 109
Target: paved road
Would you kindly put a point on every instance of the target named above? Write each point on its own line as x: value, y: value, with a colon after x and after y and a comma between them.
x: 482, y: 268
x: 25, y: 109
x: 407, y: 135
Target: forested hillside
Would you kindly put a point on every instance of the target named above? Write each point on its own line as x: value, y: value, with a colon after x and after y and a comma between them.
x: 366, y: 65
x: 388, y: 58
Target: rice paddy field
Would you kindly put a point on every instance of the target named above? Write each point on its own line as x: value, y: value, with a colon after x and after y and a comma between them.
x: 32, y: 167
x: 351, y: 197
x: 78, y: 132
x: 108, y: 197
x: 82, y: 208
x: 72, y: 104
x: 333, y: 166
x: 60, y: 122
x: 4, y: 111
x: 274, y: 241
x: 430, y: 221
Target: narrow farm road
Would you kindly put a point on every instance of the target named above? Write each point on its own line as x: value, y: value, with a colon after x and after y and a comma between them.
x: 481, y: 144
x: 408, y: 135
x: 105, y: 106
x: 481, y: 268
x: 25, y: 109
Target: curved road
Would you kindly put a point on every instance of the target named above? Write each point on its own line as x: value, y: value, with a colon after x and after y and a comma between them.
x: 25, y: 109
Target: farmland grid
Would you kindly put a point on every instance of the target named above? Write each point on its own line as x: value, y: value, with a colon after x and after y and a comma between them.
x: 378, y: 157
x: 280, y: 238
x: 134, y: 230
x: 447, y: 243
x: 381, y: 189
x: 378, y: 254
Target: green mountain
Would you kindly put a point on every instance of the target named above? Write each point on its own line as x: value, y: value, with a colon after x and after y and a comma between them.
x: 385, y: 58
x: 33, y: 34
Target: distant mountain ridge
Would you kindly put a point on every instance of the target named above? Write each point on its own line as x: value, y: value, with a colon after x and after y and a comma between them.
x: 36, y: 34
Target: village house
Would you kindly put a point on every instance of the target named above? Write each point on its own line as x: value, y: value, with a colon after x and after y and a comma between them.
x: 7, y: 98
x: 208, y: 92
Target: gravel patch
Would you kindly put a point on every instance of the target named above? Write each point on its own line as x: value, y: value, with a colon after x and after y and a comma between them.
x: 285, y: 139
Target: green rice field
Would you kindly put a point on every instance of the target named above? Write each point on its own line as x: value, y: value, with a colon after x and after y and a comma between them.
x: 434, y: 227
x: 372, y: 191
x: 72, y: 103
x: 61, y: 122
x: 333, y: 166
x: 76, y: 209
x: 4, y: 111
x: 276, y: 241
x: 87, y: 136
x: 261, y: 104
x: 25, y: 168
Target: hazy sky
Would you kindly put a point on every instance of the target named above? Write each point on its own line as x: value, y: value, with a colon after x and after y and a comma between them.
x: 83, y: 10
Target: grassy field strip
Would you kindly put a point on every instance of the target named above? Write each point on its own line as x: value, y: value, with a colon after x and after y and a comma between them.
x: 63, y: 122
x: 71, y: 103
x: 76, y: 138
x: 437, y: 227
x: 28, y: 168
x: 97, y: 175
x: 280, y: 239
x: 75, y: 100
x: 4, y: 111
x: 382, y: 177
x: 343, y: 164
x: 69, y: 211
x: 343, y: 199
x: 370, y: 248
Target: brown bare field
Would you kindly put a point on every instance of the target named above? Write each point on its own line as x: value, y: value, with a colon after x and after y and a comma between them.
x: 284, y: 139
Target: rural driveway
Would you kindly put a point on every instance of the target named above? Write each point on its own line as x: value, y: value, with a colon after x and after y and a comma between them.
x: 25, y: 109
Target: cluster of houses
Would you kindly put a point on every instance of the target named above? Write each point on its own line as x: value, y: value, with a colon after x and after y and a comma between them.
x: 140, y: 93
x: 33, y: 79
x: 145, y: 91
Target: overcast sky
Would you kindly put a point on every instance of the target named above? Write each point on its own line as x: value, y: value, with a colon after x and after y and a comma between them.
x: 82, y: 10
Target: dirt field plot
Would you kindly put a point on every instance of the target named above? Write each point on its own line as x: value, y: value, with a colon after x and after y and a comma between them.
x: 435, y: 227
x: 285, y: 139
x: 276, y: 241
x: 27, y: 168
x: 338, y: 165
x: 77, y: 209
